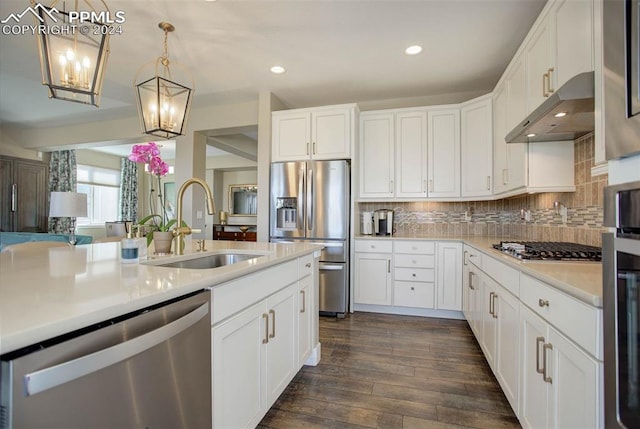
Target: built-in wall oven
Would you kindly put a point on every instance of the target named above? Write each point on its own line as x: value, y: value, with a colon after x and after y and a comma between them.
x: 621, y: 298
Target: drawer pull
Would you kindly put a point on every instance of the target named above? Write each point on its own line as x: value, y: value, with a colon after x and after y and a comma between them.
x: 413, y: 288
x: 308, y: 265
x: 543, y: 302
x: 413, y: 275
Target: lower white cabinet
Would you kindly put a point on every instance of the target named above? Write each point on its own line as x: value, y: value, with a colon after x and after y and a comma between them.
x: 507, y: 358
x: 559, y: 381
x: 373, y: 278
x: 449, y: 276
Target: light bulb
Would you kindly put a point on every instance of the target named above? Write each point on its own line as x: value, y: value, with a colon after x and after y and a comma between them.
x: 86, y: 62
x: 70, y: 54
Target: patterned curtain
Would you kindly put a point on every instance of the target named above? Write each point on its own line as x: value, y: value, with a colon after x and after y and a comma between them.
x: 62, y: 178
x: 128, y: 191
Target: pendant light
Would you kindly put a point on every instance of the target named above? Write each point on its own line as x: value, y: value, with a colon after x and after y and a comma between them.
x: 163, y: 103
x: 73, y: 59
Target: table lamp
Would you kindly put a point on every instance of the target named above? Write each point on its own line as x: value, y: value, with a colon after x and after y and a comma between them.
x: 71, y: 205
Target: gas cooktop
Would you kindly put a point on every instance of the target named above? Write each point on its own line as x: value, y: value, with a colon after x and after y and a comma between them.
x: 550, y: 251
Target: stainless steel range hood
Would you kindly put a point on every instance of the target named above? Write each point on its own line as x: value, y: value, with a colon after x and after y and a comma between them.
x: 575, y: 98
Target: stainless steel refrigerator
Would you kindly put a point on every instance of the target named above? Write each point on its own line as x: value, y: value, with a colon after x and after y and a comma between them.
x: 310, y: 202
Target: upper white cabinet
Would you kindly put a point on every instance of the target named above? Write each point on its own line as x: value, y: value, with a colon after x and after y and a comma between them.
x: 317, y: 133
x: 559, y: 47
x: 393, y: 154
x: 477, y: 147
x: 444, y: 152
x: 377, y: 154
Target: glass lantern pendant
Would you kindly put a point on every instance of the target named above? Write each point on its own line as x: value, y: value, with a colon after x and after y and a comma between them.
x: 72, y: 59
x: 163, y: 103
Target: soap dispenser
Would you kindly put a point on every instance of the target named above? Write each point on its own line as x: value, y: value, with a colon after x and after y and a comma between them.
x: 129, y: 249
x: 142, y: 243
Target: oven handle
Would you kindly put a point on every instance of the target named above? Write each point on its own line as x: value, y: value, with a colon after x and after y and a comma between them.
x: 47, y: 378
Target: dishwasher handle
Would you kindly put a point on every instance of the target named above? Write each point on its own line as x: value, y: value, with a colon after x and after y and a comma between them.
x: 47, y: 378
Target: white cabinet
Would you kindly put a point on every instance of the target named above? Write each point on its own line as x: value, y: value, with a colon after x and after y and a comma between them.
x: 560, y: 383
x: 393, y: 154
x: 318, y: 133
x: 449, y: 276
x: 414, y: 274
x: 373, y: 272
x: 377, y: 154
x: 507, y: 362
x: 476, y: 147
x: 444, y: 153
x: 488, y: 339
x: 411, y: 154
x: 560, y: 47
x: 254, y: 358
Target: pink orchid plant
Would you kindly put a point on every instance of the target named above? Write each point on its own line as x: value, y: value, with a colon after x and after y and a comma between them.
x: 149, y: 154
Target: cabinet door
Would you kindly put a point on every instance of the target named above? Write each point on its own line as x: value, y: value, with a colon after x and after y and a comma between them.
x: 477, y: 148
x: 516, y: 110
x: 574, y: 401
x: 449, y: 276
x: 411, y: 154
x: 572, y: 22
x: 373, y: 279
x: 376, y: 155
x: 533, y: 389
x: 500, y: 147
x: 488, y: 339
x: 291, y: 136
x: 444, y: 153
x: 6, y: 193
x: 538, y: 65
x: 238, y: 356
x: 31, y: 180
x: 331, y: 133
x: 508, y: 346
x: 282, y: 348
x: 305, y: 312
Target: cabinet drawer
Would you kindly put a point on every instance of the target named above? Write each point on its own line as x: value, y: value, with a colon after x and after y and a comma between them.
x: 472, y: 256
x: 506, y: 276
x: 577, y: 320
x: 416, y: 247
x: 414, y: 294
x: 415, y: 274
x: 374, y: 246
x: 305, y: 266
x: 417, y: 261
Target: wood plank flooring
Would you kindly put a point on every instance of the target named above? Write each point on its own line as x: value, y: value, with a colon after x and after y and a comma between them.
x: 388, y: 371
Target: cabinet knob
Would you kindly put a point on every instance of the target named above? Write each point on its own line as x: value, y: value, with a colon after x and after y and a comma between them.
x: 413, y: 288
x: 413, y: 275
x: 543, y: 302
x: 373, y: 246
x: 308, y: 265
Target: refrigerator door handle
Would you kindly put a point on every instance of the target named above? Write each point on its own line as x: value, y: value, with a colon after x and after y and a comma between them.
x: 310, y: 200
x: 332, y: 267
x: 301, y: 202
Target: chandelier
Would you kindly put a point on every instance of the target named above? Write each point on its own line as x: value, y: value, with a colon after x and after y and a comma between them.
x: 73, y: 59
x: 163, y: 104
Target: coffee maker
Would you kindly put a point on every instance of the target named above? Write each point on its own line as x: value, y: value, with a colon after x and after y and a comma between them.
x: 383, y: 222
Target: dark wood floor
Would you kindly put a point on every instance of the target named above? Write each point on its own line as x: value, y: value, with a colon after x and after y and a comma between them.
x: 386, y: 371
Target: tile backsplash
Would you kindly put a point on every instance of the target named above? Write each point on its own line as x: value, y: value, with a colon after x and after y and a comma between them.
x: 504, y: 218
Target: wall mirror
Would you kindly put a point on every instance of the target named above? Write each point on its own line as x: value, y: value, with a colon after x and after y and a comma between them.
x: 243, y: 200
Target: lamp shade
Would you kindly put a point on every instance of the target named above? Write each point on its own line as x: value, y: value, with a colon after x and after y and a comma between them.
x: 68, y: 204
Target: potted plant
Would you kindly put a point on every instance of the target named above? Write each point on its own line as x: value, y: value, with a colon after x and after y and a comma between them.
x: 159, y: 224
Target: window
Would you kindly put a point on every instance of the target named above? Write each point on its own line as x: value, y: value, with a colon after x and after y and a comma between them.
x: 102, y: 186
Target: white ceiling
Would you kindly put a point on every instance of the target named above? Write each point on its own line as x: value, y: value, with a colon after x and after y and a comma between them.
x: 335, y: 51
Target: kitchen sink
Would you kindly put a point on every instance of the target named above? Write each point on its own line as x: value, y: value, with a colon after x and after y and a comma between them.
x: 210, y: 261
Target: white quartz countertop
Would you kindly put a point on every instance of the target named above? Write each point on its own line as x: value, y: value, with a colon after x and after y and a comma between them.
x: 50, y: 292
x: 582, y: 280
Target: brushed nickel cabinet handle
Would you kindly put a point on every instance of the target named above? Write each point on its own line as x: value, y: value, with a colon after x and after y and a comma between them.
x: 471, y: 274
x: 550, y: 88
x: 545, y: 377
x: 538, y: 341
x: 273, y: 328
x: 465, y: 258
x: 314, y: 148
x: 544, y: 86
x: 491, y: 294
x: 488, y: 183
x: 543, y: 302
x: 431, y: 185
x: 391, y: 186
x: 495, y: 313
x: 388, y: 265
x: 304, y: 302
x: 307, y: 148
x: 265, y: 316
x: 14, y: 197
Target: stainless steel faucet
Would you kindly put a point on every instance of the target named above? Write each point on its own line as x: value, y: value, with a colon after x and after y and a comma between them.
x: 180, y: 231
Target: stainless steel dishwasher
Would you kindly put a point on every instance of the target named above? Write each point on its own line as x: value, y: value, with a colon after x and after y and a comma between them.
x: 148, y: 369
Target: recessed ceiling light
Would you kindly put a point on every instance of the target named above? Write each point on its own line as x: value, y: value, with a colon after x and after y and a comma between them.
x: 413, y: 50
x: 531, y: 135
x: 277, y: 70
x: 560, y: 114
